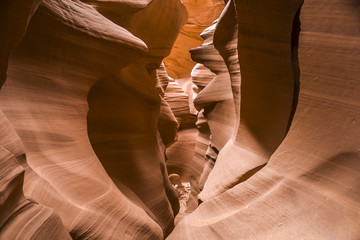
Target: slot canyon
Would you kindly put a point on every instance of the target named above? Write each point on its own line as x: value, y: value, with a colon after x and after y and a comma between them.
x: 180, y: 119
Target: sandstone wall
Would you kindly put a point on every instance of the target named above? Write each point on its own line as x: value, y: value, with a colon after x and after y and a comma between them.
x: 298, y: 114
x: 265, y: 126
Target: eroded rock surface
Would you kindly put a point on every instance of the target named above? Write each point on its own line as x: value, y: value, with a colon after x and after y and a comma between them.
x: 309, y: 187
x: 67, y: 48
x: 264, y: 129
x: 201, y: 14
x: 214, y: 99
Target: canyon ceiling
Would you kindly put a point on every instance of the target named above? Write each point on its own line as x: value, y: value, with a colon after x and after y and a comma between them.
x: 192, y: 119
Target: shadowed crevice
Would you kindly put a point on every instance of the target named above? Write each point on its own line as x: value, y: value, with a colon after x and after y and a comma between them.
x: 295, y: 61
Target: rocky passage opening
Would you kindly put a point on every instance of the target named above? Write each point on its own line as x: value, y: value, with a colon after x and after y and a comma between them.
x: 240, y: 95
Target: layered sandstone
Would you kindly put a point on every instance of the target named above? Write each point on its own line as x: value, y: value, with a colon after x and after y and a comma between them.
x: 64, y: 84
x: 308, y: 135
x: 264, y: 129
x: 186, y: 156
x: 201, y: 14
x: 214, y: 99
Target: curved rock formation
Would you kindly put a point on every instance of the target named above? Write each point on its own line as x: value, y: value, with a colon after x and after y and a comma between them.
x: 178, y: 65
x: 201, y: 14
x: 91, y: 124
x: 13, y: 28
x: 123, y: 114
x: 215, y: 98
x: 309, y: 188
x: 168, y: 123
x: 21, y: 218
x: 265, y: 109
x: 67, y: 48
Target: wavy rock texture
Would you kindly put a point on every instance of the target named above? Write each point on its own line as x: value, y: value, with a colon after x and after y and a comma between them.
x: 180, y: 153
x: 112, y: 9
x: 88, y: 116
x: 168, y: 123
x: 215, y: 98
x: 179, y: 66
x: 265, y: 109
x: 21, y: 218
x: 13, y: 28
x: 67, y: 48
x: 201, y: 14
x: 178, y: 100
x: 124, y: 111
x: 309, y: 188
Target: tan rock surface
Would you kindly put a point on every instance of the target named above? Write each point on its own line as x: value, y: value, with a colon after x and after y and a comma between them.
x: 201, y: 76
x: 214, y: 97
x: 178, y: 100
x: 68, y: 47
x: 266, y: 105
x: 168, y: 124
x: 309, y: 189
x: 21, y: 218
x: 91, y: 124
x: 201, y: 14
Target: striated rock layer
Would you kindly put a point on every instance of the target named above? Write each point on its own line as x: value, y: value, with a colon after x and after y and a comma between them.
x: 201, y: 14
x: 68, y: 50
x: 214, y: 99
x: 89, y: 116
x: 309, y: 187
x: 179, y: 64
x: 21, y: 218
x: 264, y: 107
x: 124, y: 111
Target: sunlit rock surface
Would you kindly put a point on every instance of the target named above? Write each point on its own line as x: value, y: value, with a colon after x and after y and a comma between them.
x: 186, y: 156
x: 69, y: 47
x: 124, y: 112
x: 262, y: 112
x: 21, y: 218
x: 309, y: 188
x: 264, y: 129
x: 214, y: 99
x: 201, y: 14
x: 168, y: 123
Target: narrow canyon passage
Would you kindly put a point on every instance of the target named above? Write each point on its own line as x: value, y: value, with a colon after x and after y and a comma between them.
x: 179, y: 119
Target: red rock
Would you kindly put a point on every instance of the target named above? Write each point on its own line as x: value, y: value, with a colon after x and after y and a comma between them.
x: 266, y: 124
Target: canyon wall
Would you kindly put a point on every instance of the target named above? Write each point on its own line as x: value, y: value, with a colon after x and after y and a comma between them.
x: 290, y: 170
x: 82, y: 96
x: 201, y: 14
x: 256, y: 107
